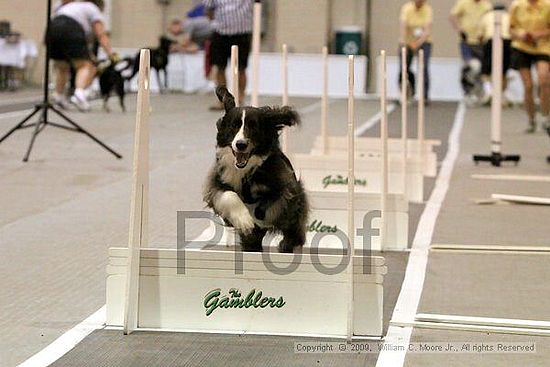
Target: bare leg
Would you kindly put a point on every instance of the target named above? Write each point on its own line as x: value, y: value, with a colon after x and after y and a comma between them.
x: 242, y: 84
x: 61, y: 77
x: 220, y: 77
x: 85, y: 73
x: 528, y: 97
x: 220, y: 81
x: 543, y: 72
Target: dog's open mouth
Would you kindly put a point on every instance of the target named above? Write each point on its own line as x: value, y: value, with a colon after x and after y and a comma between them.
x: 241, y: 159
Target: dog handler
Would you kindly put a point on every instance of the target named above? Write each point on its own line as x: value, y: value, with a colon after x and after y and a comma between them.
x: 416, y: 33
x: 232, y: 26
x: 72, y: 30
x: 530, y: 29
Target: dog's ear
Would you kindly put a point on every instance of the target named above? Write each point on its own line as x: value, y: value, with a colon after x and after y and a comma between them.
x: 280, y: 117
x: 226, y: 98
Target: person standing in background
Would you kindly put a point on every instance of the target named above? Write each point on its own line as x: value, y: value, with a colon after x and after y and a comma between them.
x: 416, y: 34
x: 466, y: 18
x: 530, y: 29
x: 71, y: 32
x: 487, y: 30
x: 232, y: 26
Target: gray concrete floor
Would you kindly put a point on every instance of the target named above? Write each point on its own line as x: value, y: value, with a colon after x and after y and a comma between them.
x: 505, y: 285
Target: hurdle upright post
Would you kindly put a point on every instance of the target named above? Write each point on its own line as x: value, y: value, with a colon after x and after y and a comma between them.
x: 139, y: 209
x: 256, y: 33
x: 235, y: 74
x: 384, y: 160
x: 421, y: 103
x: 351, y: 188
x: 496, y: 157
x: 284, y: 67
x: 324, y: 103
x: 404, y: 117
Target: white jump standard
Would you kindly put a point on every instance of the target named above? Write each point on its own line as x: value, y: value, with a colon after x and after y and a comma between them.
x: 496, y: 157
x: 199, y: 290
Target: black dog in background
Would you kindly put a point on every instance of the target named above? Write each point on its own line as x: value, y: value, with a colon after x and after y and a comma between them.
x: 159, y: 61
x: 112, y: 77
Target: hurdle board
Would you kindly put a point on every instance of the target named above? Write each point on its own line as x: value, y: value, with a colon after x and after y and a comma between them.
x: 371, y: 147
x: 318, y: 171
x: 175, y: 299
x: 328, y: 215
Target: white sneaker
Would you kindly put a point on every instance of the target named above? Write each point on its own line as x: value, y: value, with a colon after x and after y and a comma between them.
x: 80, y: 103
x: 60, y: 100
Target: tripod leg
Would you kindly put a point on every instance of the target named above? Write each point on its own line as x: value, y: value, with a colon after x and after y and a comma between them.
x: 20, y: 125
x: 83, y: 131
x: 36, y: 131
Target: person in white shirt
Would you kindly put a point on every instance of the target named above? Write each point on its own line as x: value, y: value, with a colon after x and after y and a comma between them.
x: 71, y: 31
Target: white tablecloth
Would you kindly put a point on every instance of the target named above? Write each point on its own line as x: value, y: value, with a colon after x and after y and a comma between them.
x: 16, y: 54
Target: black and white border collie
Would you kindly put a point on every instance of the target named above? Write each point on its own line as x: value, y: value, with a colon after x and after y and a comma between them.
x: 252, y: 185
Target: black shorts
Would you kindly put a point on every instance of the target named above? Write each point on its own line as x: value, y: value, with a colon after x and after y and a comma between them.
x: 524, y: 60
x: 221, y: 49
x: 487, y: 61
x: 66, y: 40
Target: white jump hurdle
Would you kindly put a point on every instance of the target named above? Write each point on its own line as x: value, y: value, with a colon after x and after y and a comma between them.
x: 416, y: 149
x: 227, y: 291
x: 326, y: 181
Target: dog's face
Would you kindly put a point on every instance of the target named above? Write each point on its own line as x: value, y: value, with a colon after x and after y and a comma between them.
x: 251, y: 131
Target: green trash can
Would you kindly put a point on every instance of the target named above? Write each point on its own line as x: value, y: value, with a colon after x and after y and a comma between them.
x: 348, y: 40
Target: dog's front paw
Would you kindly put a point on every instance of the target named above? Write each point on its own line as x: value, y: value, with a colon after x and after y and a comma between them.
x: 243, y: 222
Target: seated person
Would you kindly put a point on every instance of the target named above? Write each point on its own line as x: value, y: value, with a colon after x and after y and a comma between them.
x: 194, y: 32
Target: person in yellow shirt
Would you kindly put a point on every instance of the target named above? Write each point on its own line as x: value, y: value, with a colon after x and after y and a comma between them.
x: 487, y: 30
x: 416, y: 33
x: 530, y: 29
x: 466, y: 18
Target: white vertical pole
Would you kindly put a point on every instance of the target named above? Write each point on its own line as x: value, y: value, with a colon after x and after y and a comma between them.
x: 404, y: 117
x: 256, y: 33
x: 384, y: 160
x: 229, y: 232
x: 285, y: 92
x: 138, y: 231
x: 235, y: 73
x: 351, y: 187
x: 496, y: 105
x: 324, y: 102
x: 421, y: 104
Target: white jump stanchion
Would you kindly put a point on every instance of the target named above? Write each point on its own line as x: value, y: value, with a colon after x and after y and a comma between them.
x: 285, y: 93
x: 324, y: 103
x: 404, y: 116
x: 351, y: 188
x: 256, y: 33
x: 496, y: 157
x: 421, y: 103
x: 139, y: 217
x: 235, y: 74
x: 384, y: 160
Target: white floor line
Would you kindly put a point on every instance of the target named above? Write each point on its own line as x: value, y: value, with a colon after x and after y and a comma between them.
x: 70, y: 339
x: 312, y: 107
x: 373, y: 121
x: 409, y: 297
x: 531, y: 178
x: 67, y: 341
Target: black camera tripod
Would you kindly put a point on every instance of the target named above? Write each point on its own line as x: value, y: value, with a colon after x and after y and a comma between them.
x: 44, y: 107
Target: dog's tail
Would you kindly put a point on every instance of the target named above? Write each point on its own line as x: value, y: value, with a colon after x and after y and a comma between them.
x: 126, y: 68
